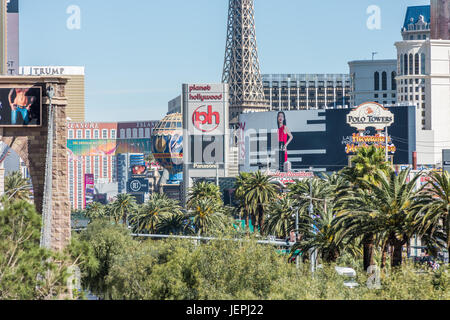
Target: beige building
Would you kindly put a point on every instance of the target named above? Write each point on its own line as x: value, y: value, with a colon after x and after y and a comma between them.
x: 75, y: 88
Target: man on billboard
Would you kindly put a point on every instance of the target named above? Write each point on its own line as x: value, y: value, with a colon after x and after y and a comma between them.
x: 21, y: 104
x: 283, y: 134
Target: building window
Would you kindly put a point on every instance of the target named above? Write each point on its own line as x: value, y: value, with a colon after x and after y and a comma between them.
x: 104, y: 134
x: 113, y: 167
x: 79, y: 134
x: 405, y: 64
x: 393, y: 81
x: 384, y: 81
x: 411, y: 64
x: 122, y: 133
x: 88, y: 165
x: 87, y: 134
x: 422, y: 63
x: 135, y: 133
x: 377, y: 81
x: 96, y: 167
x: 141, y: 132
x: 416, y: 63
x: 105, y: 167
x: 147, y: 132
x: 128, y: 133
x: 70, y: 134
x: 401, y: 65
x: 113, y: 134
x: 96, y: 134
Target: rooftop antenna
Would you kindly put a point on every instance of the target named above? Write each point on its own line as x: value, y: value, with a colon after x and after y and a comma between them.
x: 373, y: 55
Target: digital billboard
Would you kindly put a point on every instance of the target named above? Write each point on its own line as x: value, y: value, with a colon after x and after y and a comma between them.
x: 107, y: 147
x: 20, y: 106
x: 322, y: 139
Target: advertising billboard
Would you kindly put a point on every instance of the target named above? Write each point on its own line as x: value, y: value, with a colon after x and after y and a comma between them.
x: 205, y: 125
x: 322, y: 139
x: 205, y: 120
x: 89, y: 190
x: 107, y: 147
x: 137, y: 164
x: 20, y: 106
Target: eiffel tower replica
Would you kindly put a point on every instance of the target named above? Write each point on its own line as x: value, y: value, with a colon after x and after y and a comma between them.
x: 241, y: 66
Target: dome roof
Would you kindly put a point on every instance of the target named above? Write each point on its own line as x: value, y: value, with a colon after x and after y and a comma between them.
x: 170, y: 123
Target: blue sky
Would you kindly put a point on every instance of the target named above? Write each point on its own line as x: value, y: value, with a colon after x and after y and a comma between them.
x: 138, y: 53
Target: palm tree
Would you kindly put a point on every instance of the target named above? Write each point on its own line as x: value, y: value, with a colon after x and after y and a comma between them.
x: 435, y: 210
x: 207, y: 216
x: 123, y: 206
x: 366, y: 165
x: 152, y: 213
x: 95, y: 210
x: 16, y: 187
x: 202, y: 190
x: 280, y: 221
x: 256, y: 193
x: 385, y: 208
x: 322, y: 235
x: 240, y: 186
x: 175, y: 224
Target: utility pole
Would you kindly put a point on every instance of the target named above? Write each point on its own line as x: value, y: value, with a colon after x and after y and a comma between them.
x: 311, y: 212
x: 387, y: 153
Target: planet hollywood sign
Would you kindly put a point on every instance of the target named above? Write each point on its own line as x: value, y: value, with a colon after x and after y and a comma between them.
x: 370, y: 114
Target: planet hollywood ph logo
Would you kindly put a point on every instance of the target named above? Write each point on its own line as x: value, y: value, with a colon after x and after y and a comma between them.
x: 205, y: 120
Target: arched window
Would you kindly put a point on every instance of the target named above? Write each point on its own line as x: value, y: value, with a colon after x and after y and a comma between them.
x: 402, y: 72
x: 405, y: 65
x: 411, y: 64
x: 377, y: 81
x: 416, y: 63
x: 393, y: 81
x: 422, y: 63
x: 384, y: 81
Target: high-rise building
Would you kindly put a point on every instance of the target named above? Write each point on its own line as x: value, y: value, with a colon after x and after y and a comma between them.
x: 175, y: 105
x: 75, y: 87
x: 373, y: 80
x: 12, y: 56
x: 306, y: 91
x: 440, y: 19
x: 423, y: 79
x: 241, y: 66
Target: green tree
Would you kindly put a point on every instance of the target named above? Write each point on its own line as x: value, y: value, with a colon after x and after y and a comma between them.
x: 280, y: 221
x: 151, y: 214
x: 27, y: 271
x: 366, y: 167
x: 207, y: 216
x: 124, y: 205
x: 435, y: 210
x: 256, y: 192
x: 102, y: 242
x: 16, y: 187
x: 386, y: 208
x: 95, y: 210
x: 202, y: 190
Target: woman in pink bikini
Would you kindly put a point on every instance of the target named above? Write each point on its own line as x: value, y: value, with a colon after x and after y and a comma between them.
x: 283, y: 134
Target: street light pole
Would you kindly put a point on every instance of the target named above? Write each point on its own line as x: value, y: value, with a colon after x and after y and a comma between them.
x: 311, y: 212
